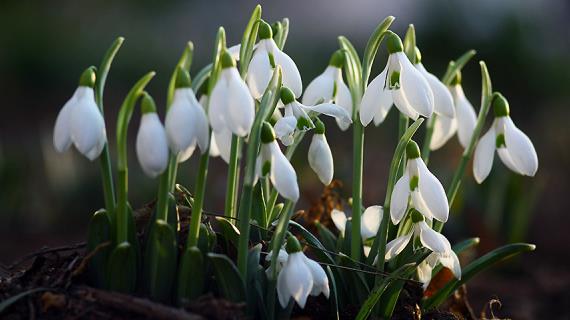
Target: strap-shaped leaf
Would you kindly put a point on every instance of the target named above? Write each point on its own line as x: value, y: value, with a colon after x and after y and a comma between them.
x: 457, y: 66
x: 99, y: 233
x: 229, y: 281
x: 372, y: 48
x: 160, y: 262
x: 191, y: 275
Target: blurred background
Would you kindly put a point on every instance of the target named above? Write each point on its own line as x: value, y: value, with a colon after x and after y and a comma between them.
x: 47, y: 198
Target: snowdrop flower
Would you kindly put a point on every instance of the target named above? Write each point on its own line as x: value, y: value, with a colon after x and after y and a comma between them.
x: 447, y: 259
x: 443, y: 101
x: 152, y: 144
x: 300, y: 277
x: 429, y: 238
x: 186, y: 123
x: 297, y: 116
x: 371, y: 219
x: 231, y: 106
x: 273, y: 162
x: 320, y: 155
x: 513, y: 146
x: 400, y: 83
x: 329, y: 87
x: 266, y: 57
x: 427, y: 193
x: 463, y: 123
x: 80, y: 122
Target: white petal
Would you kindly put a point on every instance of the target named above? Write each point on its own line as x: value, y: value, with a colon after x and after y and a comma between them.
x: 283, y: 176
x: 87, y: 124
x: 484, y: 154
x: 415, y: 87
x: 62, y: 129
x: 186, y: 153
x: 394, y: 247
x: 298, y: 278
x: 179, y: 122
x: 367, y: 250
x: 291, y: 75
x: 443, y: 129
x: 224, y: 143
x: 443, y: 101
x: 403, y: 105
x: 424, y: 273
x: 419, y: 204
x: 451, y: 262
x: 399, y: 199
x: 201, y: 129
x: 339, y: 113
x: 320, y: 89
x: 343, y: 99
x: 466, y: 117
x: 431, y: 239
x: 377, y: 100
x: 152, y: 145
x: 371, y: 219
x: 520, y: 149
x: 320, y: 158
x: 259, y: 71
x: 320, y: 280
x: 432, y: 192
x: 282, y: 290
x: 234, y: 51
x: 285, y: 129
x: 240, y: 105
x: 339, y: 219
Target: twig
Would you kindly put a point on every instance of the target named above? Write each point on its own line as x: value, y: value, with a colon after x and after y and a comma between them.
x: 43, y: 251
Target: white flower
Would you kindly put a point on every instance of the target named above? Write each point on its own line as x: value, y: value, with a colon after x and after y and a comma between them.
x: 429, y: 238
x: 513, y: 146
x: 266, y: 57
x: 427, y: 193
x: 447, y: 259
x: 281, y: 260
x: 231, y: 106
x: 186, y: 123
x: 297, y: 116
x: 300, y: 277
x: 80, y: 122
x: 369, y: 224
x: 152, y: 145
x: 273, y: 162
x: 320, y: 155
x: 400, y: 83
x: 329, y: 87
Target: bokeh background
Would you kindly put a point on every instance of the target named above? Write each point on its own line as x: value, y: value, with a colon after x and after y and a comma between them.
x: 47, y: 198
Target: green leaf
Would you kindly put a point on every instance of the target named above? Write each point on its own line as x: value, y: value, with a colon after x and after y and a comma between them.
x: 457, y: 66
x: 355, y: 284
x: 353, y: 71
x: 229, y: 231
x: 327, y: 237
x: 191, y: 276
x: 410, y: 44
x: 248, y: 40
x: 479, y: 265
x: 98, y: 233
x: 219, y: 46
x: 184, y: 62
x: 229, y: 281
x: 201, y: 77
x: 284, y: 33
x: 160, y: 262
x: 122, y: 269
x: 13, y: 299
x: 372, y: 48
x: 380, y: 288
x: 104, y: 68
x: 256, y: 303
x: 320, y: 250
x: 334, y: 299
x: 258, y: 205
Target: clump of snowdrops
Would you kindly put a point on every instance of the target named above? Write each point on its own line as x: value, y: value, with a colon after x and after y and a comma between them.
x: 249, y: 106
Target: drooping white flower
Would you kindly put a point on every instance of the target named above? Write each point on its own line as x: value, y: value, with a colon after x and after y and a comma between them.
x: 370, y: 221
x: 186, y: 123
x: 231, y: 106
x: 300, y: 277
x: 429, y: 238
x: 400, y: 83
x: 266, y: 57
x: 80, y: 122
x: 320, y: 155
x: 427, y: 193
x: 297, y: 116
x: 443, y: 101
x: 329, y: 87
x: 463, y: 123
x: 447, y: 259
x: 273, y: 162
x: 152, y: 144
x: 513, y: 146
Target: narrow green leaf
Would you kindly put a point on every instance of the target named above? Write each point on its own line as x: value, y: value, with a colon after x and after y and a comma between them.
x: 410, y: 43
x: 372, y: 48
x: 103, y: 70
x: 98, y: 233
x: 284, y: 33
x: 333, y: 289
x: 352, y: 69
x: 228, y: 278
x: 229, y: 230
x: 356, y: 286
x: 201, y: 78
x: 320, y: 250
x: 475, y: 267
x: 457, y: 66
x: 160, y: 262
x: 184, y: 62
x: 327, y: 237
x: 248, y: 40
x: 122, y: 269
x: 191, y: 276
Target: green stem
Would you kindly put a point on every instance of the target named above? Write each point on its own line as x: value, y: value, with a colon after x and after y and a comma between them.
x: 358, y: 154
x: 232, y: 182
x: 427, y: 139
x: 196, y: 217
x: 402, y: 127
x: 122, y: 211
x: 486, y: 102
x: 162, y: 202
